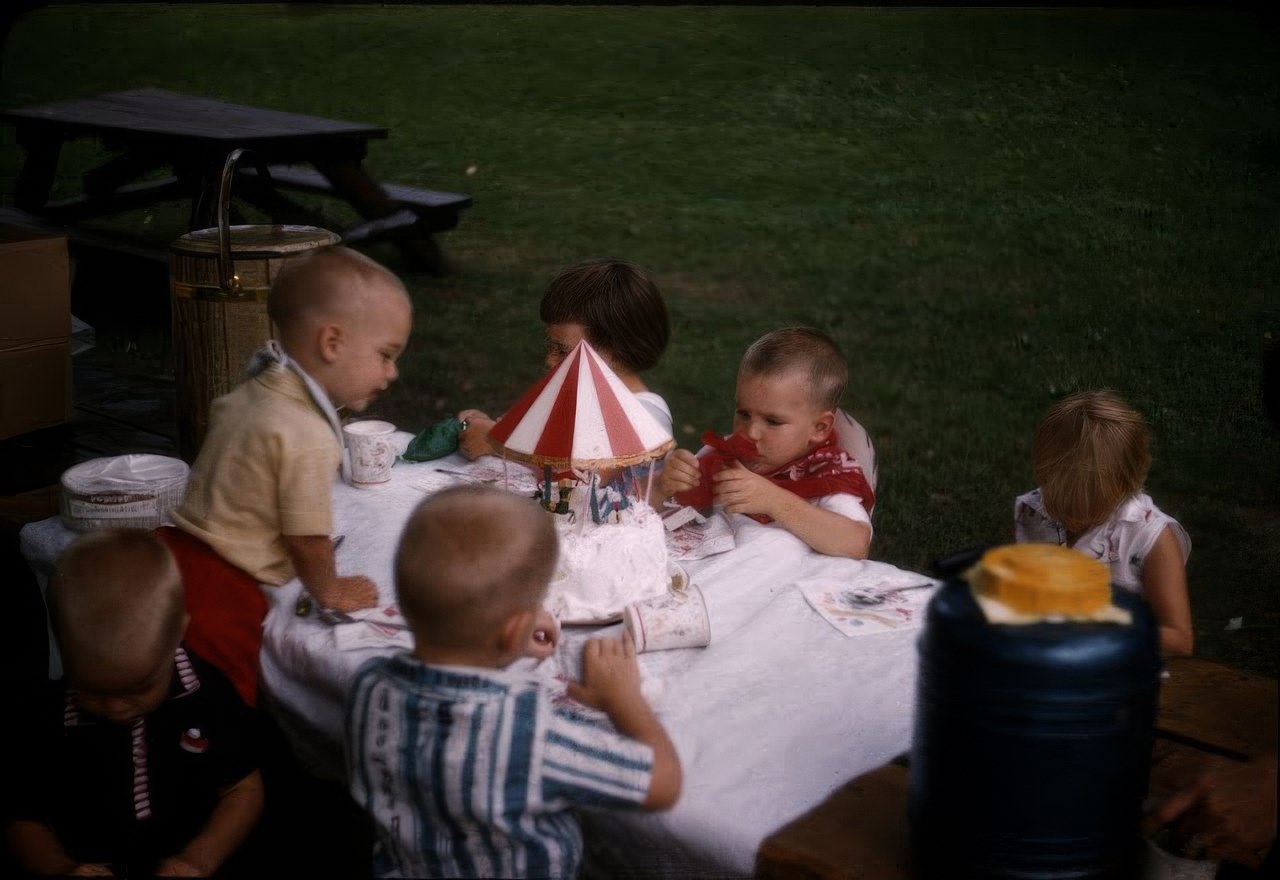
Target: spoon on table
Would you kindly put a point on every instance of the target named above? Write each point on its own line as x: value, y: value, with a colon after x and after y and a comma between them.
x: 464, y: 475
x: 863, y: 596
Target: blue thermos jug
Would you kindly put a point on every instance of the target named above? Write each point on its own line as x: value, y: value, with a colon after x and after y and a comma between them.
x: 1035, y: 707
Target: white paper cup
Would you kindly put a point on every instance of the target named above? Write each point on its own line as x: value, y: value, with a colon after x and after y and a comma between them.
x: 673, y: 620
x: 373, y: 451
x: 1161, y: 864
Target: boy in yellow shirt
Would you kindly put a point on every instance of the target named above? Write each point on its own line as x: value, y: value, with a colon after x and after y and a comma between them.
x: 258, y: 505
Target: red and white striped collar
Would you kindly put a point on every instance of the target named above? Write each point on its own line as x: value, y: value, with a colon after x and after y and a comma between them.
x: 186, y: 683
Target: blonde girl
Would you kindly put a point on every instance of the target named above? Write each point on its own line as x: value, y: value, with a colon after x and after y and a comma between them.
x: 1090, y: 456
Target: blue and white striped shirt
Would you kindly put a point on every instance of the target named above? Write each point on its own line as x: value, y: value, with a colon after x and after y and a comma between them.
x: 472, y: 772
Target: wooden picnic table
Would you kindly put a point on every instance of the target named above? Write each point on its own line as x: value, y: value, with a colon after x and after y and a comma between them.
x: 860, y: 831
x: 152, y: 129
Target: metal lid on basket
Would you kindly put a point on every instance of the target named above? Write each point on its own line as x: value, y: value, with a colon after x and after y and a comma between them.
x: 256, y: 241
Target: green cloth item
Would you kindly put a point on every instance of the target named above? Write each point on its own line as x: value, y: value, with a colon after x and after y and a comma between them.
x: 436, y: 441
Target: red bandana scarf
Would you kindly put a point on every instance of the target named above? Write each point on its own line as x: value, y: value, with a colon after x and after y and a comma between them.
x: 827, y: 470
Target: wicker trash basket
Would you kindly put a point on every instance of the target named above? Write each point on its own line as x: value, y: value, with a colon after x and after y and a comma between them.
x: 219, y: 279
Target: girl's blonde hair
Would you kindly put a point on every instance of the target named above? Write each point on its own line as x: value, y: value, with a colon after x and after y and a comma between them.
x: 1089, y: 454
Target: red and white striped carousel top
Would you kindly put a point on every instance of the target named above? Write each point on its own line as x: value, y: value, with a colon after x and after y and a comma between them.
x: 581, y: 416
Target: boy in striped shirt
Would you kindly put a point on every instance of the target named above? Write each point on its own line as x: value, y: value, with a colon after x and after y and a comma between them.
x: 467, y: 767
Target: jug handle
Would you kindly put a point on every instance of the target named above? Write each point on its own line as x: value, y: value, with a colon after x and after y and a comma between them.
x: 229, y: 280
x: 959, y: 562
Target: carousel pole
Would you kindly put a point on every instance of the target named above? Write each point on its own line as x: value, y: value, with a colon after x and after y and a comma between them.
x: 595, y: 502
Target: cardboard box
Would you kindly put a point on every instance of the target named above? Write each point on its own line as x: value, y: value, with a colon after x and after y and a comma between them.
x: 35, y: 330
x: 35, y: 388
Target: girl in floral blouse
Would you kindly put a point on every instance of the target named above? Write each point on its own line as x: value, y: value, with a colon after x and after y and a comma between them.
x: 1090, y: 459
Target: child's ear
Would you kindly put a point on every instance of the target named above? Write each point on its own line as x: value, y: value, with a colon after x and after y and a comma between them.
x: 330, y: 339
x: 517, y: 629
x: 822, y: 427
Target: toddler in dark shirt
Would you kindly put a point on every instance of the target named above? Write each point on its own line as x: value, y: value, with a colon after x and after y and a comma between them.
x: 141, y: 761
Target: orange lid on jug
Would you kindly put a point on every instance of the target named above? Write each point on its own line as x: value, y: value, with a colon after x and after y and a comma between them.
x: 1042, y: 579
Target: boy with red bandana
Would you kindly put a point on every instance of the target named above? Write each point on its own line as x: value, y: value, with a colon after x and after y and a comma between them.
x: 794, y: 457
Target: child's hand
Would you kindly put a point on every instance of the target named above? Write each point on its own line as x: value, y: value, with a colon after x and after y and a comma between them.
x: 611, y: 683
x: 474, y: 441
x: 176, y: 866
x: 610, y: 674
x: 680, y: 473
x: 90, y: 869
x: 546, y: 635
x: 742, y: 491
x: 350, y: 593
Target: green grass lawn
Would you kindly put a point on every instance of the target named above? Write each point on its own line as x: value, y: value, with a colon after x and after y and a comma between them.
x: 986, y: 208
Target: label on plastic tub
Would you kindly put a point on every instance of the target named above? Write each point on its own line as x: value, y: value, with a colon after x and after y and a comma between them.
x: 135, y: 491
x: 104, y: 508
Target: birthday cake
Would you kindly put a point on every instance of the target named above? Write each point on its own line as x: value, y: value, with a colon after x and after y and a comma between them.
x: 604, y: 567
x: 594, y: 443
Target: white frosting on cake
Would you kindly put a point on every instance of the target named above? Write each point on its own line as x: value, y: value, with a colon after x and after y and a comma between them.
x: 604, y: 567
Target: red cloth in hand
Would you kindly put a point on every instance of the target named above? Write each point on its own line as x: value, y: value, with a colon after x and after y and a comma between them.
x: 826, y: 470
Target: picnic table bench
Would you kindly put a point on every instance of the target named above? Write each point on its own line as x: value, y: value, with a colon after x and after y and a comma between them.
x: 424, y: 210
x: 861, y: 830
x: 154, y: 129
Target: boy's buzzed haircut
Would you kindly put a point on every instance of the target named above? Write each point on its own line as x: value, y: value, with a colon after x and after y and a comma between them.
x: 617, y: 303
x: 322, y: 282
x: 469, y: 557
x: 116, y: 601
x: 804, y: 349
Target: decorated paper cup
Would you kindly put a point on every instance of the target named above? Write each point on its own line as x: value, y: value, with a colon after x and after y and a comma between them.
x: 373, y: 451
x: 673, y: 620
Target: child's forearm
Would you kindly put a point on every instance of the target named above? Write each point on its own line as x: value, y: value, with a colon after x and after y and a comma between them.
x: 233, y: 817
x: 634, y: 718
x: 825, y: 531
x: 1176, y: 641
x: 38, y: 848
x: 312, y: 557
x: 1164, y: 586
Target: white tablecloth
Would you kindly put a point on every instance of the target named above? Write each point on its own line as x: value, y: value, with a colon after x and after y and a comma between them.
x: 773, y: 716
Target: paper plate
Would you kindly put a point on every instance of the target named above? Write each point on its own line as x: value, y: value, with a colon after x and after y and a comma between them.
x: 679, y: 583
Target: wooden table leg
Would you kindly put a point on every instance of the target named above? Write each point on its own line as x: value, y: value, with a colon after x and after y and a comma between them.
x: 352, y: 182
